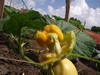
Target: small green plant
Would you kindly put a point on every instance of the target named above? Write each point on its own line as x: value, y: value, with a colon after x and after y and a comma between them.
x: 20, y: 25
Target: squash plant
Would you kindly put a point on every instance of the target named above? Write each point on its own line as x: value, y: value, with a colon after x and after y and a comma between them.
x: 58, y: 48
x: 17, y: 23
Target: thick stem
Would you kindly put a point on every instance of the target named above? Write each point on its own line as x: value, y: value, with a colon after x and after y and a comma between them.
x: 51, y: 70
x: 21, y: 52
x: 87, y: 58
x: 20, y: 48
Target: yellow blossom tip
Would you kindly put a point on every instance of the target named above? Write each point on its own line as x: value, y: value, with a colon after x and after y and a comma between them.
x: 42, y: 38
x: 52, y: 28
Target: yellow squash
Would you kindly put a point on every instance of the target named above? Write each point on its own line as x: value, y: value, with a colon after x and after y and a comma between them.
x: 64, y: 67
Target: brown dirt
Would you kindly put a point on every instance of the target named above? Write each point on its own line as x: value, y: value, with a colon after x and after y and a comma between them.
x: 13, y: 67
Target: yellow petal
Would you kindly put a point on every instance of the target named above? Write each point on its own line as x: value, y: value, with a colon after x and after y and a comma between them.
x: 69, y: 42
x: 54, y: 29
x: 42, y: 38
x: 46, y: 58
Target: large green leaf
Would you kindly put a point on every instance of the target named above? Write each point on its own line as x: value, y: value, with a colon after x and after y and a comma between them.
x: 84, y: 43
x: 18, y: 21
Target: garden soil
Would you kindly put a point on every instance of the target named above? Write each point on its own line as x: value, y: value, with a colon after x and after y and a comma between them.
x: 12, y: 64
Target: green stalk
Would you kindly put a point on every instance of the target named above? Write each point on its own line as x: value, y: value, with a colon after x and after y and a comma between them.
x: 51, y: 71
x: 21, y: 52
x: 87, y: 58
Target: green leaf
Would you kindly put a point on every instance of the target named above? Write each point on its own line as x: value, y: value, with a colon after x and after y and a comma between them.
x: 10, y: 10
x: 35, y: 24
x: 64, y: 26
x: 84, y: 43
x: 46, y: 18
x: 3, y: 22
x: 25, y: 31
x: 18, y: 21
x: 76, y: 23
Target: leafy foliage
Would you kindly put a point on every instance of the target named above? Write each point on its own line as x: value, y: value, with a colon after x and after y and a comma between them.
x: 3, y: 22
x: 18, y: 21
x: 72, y: 20
x: 57, y: 17
x: 45, y: 18
x: 84, y: 43
x: 95, y: 29
x: 25, y: 31
x: 76, y: 22
x: 9, y: 11
x: 23, y: 23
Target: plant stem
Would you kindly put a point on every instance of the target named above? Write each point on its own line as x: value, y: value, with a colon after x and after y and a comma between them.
x: 87, y: 58
x: 78, y: 32
x: 51, y: 71
x: 20, y: 47
x: 21, y: 52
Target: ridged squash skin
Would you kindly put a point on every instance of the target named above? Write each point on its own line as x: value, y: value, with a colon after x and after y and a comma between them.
x: 64, y: 67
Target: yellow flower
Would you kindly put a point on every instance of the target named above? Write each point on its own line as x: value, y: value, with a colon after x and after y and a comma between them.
x: 67, y: 46
x: 43, y: 37
x: 57, y: 50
